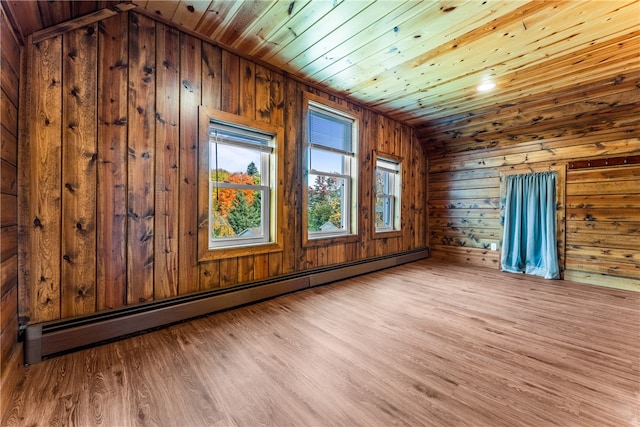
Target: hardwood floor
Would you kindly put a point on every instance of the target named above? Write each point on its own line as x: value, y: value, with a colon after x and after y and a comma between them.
x: 420, y: 344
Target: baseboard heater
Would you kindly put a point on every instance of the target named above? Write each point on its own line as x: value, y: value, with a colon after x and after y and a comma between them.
x: 48, y: 339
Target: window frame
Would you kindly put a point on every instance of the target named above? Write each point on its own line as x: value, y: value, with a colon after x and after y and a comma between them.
x: 272, y: 215
x: 265, y: 148
x: 396, y: 229
x: 350, y: 230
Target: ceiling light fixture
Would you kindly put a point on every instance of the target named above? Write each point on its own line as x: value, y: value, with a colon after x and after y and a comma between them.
x: 486, y: 86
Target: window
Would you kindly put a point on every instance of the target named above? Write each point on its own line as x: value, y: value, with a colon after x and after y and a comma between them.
x: 387, y: 194
x: 240, y: 170
x: 330, y: 171
x: 239, y: 185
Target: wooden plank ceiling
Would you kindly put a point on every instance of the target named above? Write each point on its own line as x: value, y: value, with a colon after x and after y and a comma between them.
x: 417, y: 61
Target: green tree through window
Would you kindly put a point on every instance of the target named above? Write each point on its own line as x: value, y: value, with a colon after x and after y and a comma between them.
x: 243, y: 215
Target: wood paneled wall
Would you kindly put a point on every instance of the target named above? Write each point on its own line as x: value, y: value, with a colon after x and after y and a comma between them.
x: 599, y: 208
x: 111, y: 168
x: 603, y: 225
x: 9, y: 85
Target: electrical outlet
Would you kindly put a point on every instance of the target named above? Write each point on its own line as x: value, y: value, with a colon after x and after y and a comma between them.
x: 494, y: 246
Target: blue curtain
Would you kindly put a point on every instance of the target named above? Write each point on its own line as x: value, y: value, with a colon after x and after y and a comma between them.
x: 529, y: 238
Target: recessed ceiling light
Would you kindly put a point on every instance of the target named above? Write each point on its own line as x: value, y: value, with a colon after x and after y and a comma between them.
x: 486, y: 86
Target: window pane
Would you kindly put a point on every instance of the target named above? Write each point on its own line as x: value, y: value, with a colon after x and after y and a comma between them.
x: 230, y: 163
x: 235, y: 213
x: 326, y: 161
x: 240, y: 188
x: 330, y: 131
x: 325, y: 203
x: 222, y: 133
x: 383, y: 212
x: 387, y: 192
x: 382, y: 182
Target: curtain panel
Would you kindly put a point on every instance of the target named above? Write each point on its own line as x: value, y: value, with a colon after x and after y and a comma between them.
x: 529, y: 237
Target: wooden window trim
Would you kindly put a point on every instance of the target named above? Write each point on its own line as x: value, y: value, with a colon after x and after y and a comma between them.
x: 375, y: 234
x: 308, y: 98
x: 205, y: 254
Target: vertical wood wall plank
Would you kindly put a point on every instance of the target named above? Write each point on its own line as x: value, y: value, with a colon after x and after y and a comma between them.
x: 407, y: 191
x: 369, y: 133
x: 228, y: 271
x: 322, y: 255
x: 211, y: 97
x: 26, y: 211
x: 421, y: 183
x: 260, y: 266
x: 292, y: 208
x: 336, y: 254
x: 247, y: 88
x: 190, y: 99
x: 79, y: 159
x: 247, y: 93
x: 262, y: 113
x: 276, y: 116
x: 262, y: 97
x: 141, y: 142
x: 167, y: 149
x: 384, y: 137
x: 397, y: 139
x: 307, y: 258
x: 245, y: 268
x: 111, y: 281
x: 45, y: 179
x: 211, y: 76
x: 210, y: 275
x: 230, y: 101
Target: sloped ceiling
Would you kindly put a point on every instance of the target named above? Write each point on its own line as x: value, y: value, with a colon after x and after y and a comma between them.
x: 418, y: 61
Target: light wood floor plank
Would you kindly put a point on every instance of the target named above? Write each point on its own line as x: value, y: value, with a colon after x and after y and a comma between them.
x: 421, y: 344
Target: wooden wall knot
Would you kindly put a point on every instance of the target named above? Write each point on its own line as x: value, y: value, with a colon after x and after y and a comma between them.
x: 187, y: 85
x: 120, y: 64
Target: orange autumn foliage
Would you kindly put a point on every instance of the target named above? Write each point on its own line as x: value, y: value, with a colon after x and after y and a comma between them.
x: 223, y: 197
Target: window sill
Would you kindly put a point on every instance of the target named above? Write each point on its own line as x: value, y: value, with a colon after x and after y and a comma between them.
x: 238, y: 251
x: 330, y: 240
x: 386, y: 234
